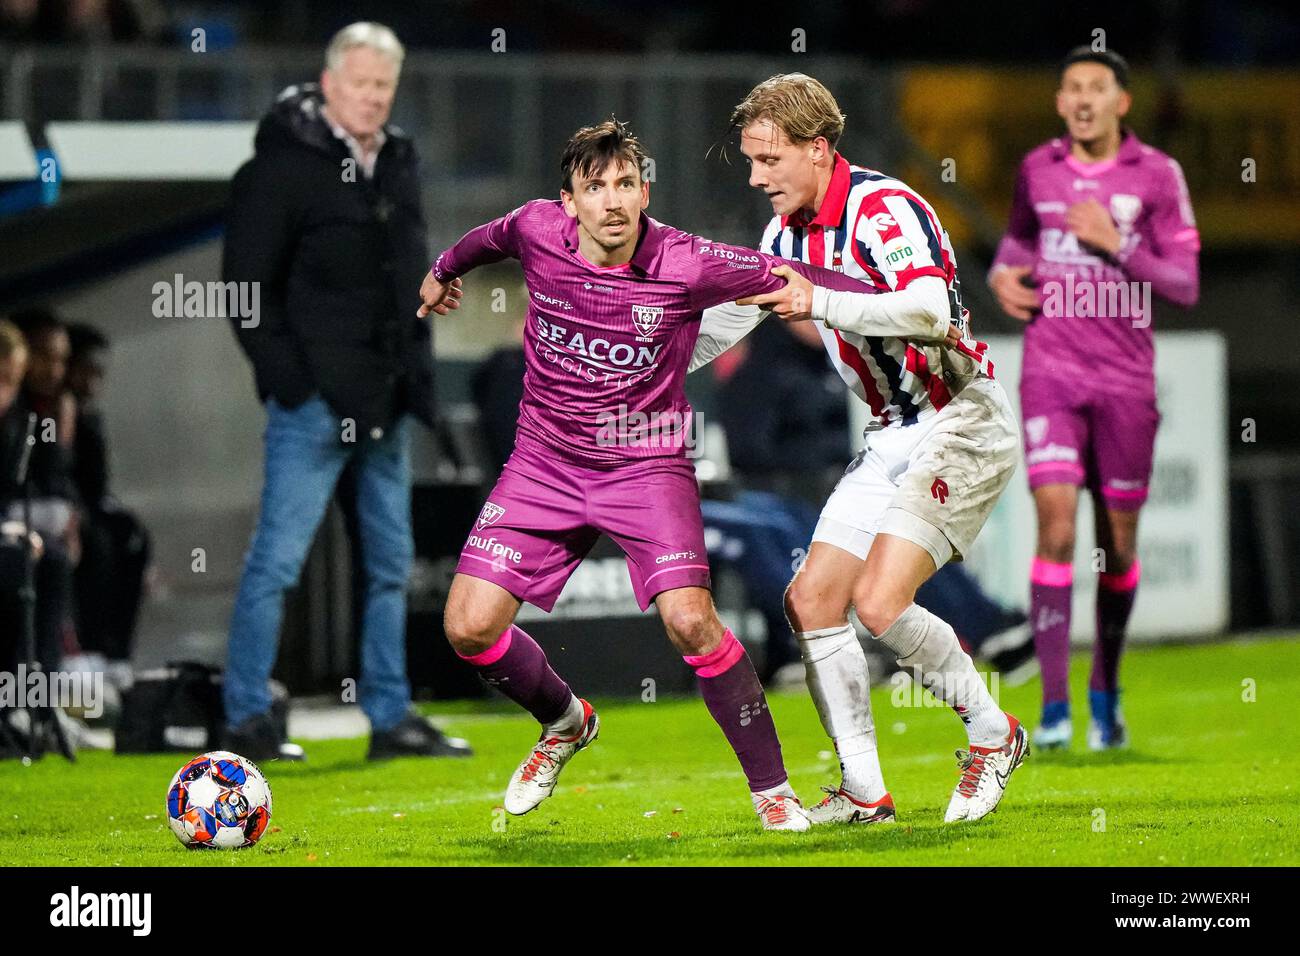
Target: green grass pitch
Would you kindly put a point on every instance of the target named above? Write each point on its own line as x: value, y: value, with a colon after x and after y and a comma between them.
x: 1212, y: 778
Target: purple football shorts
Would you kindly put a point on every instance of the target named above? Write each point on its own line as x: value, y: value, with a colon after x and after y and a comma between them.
x: 544, y: 515
x: 1078, y: 436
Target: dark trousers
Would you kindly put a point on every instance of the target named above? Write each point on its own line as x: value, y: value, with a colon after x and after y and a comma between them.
x: 53, y: 592
x: 109, y: 582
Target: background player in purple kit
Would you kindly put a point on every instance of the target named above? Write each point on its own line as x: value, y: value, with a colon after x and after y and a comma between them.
x: 615, y: 303
x: 1099, y: 221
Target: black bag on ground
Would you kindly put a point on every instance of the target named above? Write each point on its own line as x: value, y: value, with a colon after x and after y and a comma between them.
x: 178, y: 708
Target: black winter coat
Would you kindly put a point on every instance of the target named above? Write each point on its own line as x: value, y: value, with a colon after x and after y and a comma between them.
x: 340, y: 264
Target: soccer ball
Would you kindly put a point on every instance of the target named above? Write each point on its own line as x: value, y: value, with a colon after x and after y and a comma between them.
x: 219, y: 800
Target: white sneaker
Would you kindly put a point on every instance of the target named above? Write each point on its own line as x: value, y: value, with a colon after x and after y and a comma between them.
x: 780, y: 812
x: 984, y: 775
x: 535, y: 779
x: 840, y: 806
x: 1054, y: 736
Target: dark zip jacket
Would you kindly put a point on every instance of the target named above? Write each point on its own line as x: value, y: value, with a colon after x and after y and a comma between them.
x: 339, y: 259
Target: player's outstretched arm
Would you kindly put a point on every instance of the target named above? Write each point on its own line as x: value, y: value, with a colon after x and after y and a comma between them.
x: 488, y: 243
x: 725, y: 273
x: 797, y: 291
x: 920, y: 311
x: 439, y: 297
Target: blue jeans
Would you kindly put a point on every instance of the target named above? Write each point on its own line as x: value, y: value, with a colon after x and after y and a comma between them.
x: 304, y: 458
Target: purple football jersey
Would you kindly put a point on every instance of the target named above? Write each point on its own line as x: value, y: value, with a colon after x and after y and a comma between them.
x: 1095, y: 321
x: 607, y: 349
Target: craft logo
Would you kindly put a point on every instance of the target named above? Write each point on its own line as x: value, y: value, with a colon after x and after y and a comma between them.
x: 646, y: 318
x: 490, y: 514
x: 675, y: 556
x: 552, y: 301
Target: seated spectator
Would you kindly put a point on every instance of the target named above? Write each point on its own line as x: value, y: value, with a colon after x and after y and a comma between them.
x: 13, y: 365
x: 785, y: 414
x: 109, y: 581
x: 45, y: 392
x: 55, y: 508
x: 53, y: 568
x: 497, y: 387
x: 787, y: 425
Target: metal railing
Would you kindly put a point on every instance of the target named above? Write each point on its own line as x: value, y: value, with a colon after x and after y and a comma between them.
x: 489, y: 127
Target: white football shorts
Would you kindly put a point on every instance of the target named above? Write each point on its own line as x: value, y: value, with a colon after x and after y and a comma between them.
x: 934, y: 482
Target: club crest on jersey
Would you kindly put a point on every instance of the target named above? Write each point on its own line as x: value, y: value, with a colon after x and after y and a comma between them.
x: 490, y: 514
x: 1125, y: 208
x: 646, y: 318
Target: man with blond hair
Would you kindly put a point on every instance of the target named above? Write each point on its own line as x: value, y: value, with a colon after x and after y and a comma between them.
x: 940, y: 447
x: 326, y: 230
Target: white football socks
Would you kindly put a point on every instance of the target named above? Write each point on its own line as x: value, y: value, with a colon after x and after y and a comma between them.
x: 928, y: 646
x: 840, y: 686
x: 569, y: 722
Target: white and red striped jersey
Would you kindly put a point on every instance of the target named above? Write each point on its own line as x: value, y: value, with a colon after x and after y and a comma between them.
x: 877, y: 229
